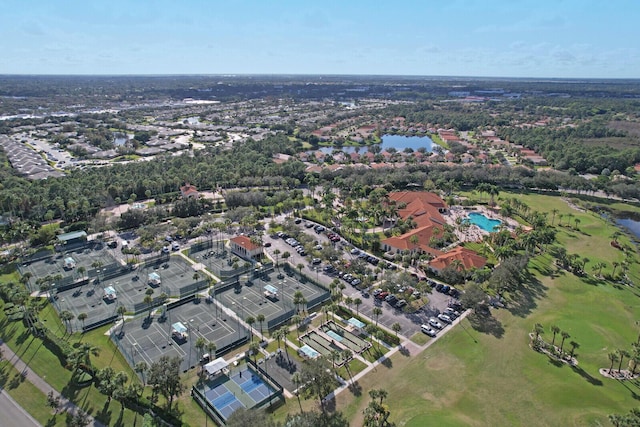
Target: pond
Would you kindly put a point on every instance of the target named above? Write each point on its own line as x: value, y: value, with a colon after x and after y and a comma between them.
x: 399, y: 142
x: 630, y: 224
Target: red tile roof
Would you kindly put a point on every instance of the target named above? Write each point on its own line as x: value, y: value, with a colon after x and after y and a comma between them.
x: 468, y: 259
x: 245, y: 242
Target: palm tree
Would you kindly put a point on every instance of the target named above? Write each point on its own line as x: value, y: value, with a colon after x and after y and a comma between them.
x: 250, y: 321
x: 66, y: 316
x: 574, y: 345
x: 538, y: 330
x: 635, y: 360
x: 121, y: 310
x: 254, y: 348
x: 296, y: 319
x: 396, y: 328
x: 276, y: 253
x: 84, y: 353
x: 296, y: 379
x: 622, y: 354
x: 555, y: 331
x: 148, y: 299
x: 554, y: 212
x: 615, y: 265
x: 565, y: 335
x: 82, y: 317
x: 576, y: 222
x: 357, y: 302
x: 377, y: 311
x: 613, y: 358
x: 81, y: 271
x: 260, y: 318
x: 142, y: 368
x: 200, y: 345
x: 211, y: 349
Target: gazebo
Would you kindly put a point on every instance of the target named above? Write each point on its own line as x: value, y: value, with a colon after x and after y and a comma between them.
x: 308, y: 352
x: 154, y: 279
x: 179, y: 330
x: 271, y: 292
x: 110, y: 293
x: 356, y: 325
x: 69, y: 263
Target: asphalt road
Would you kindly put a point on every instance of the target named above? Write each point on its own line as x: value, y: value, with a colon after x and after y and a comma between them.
x: 12, y: 414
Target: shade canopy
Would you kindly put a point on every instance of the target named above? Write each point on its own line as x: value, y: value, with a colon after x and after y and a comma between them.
x: 216, y: 366
x: 179, y: 328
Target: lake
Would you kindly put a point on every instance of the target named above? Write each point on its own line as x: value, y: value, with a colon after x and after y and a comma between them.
x: 399, y: 142
x: 632, y: 225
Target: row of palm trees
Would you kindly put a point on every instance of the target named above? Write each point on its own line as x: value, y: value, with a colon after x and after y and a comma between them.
x: 619, y: 356
x: 538, y: 342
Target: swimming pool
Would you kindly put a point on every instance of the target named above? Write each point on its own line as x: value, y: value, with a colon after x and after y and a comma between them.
x: 483, y: 222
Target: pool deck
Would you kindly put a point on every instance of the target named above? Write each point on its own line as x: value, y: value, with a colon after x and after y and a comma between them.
x: 474, y: 233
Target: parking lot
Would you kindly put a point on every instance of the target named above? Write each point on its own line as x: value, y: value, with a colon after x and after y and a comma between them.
x: 410, y: 323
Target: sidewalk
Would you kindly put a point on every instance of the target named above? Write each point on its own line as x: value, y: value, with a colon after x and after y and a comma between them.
x: 65, y: 404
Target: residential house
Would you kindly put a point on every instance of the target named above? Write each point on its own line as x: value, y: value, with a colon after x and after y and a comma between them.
x: 188, y: 190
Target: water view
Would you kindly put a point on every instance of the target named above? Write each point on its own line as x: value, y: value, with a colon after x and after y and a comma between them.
x: 630, y: 224
x: 399, y: 142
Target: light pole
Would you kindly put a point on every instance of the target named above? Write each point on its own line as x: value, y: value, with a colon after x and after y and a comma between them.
x: 189, y: 328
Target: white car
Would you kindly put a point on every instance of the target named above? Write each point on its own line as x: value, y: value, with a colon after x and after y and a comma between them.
x: 433, y: 322
x: 445, y: 318
x: 427, y: 330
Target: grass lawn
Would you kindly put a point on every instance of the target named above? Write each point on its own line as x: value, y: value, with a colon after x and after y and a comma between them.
x: 420, y: 338
x: 492, y: 377
x: 28, y: 396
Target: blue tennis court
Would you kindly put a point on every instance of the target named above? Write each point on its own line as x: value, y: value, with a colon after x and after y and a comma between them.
x: 223, y: 400
x: 252, y: 384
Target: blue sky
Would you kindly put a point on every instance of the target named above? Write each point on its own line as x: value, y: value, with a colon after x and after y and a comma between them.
x: 510, y: 38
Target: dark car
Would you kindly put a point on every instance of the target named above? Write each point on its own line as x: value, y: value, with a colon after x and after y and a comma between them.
x: 400, y: 304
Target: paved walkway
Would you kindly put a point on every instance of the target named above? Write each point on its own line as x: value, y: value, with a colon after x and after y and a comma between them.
x: 42, y: 385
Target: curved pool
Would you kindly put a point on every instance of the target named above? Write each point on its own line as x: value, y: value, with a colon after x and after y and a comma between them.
x: 483, y: 222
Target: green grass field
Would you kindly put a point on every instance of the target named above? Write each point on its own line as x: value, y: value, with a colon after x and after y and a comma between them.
x: 494, y: 378
x: 468, y: 377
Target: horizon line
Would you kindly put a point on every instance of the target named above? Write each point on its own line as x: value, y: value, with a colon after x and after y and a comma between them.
x: 412, y: 76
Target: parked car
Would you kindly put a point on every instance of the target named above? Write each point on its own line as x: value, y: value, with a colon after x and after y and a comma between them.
x: 356, y: 282
x: 400, y: 304
x: 267, y: 244
x: 427, y: 330
x: 382, y: 295
x: 451, y: 313
x: 445, y: 318
x: 316, y: 261
x: 433, y: 322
